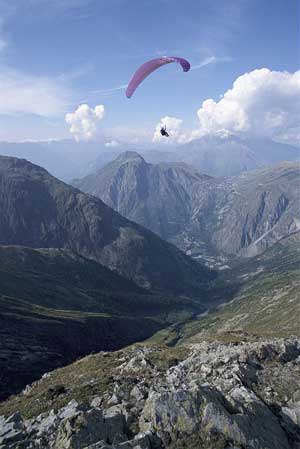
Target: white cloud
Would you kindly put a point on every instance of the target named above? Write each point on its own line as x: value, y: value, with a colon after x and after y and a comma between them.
x: 261, y: 103
x: 206, y: 61
x: 21, y: 93
x: 174, y: 129
x: 85, y: 121
x: 211, y: 60
x: 112, y: 144
x: 109, y: 92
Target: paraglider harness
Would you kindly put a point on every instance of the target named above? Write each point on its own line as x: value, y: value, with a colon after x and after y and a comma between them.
x: 163, y: 131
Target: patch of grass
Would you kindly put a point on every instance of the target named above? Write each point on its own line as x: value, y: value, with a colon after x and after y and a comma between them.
x: 82, y: 380
x: 164, y: 357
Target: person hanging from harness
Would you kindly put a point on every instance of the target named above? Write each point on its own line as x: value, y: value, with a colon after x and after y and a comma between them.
x: 163, y: 131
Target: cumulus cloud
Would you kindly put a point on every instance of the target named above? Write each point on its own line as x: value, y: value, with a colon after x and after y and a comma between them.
x: 175, y: 130
x: 261, y: 103
x: 84, y: 121
x: 21, y: 93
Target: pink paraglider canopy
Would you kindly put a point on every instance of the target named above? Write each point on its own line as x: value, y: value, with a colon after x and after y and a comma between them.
x: 144, y: 70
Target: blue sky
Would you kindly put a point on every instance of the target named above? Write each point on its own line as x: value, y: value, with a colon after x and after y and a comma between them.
x: 67, y: 52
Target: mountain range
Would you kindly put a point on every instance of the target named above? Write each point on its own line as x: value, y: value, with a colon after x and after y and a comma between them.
x: 39, y: 211
x: 62, y: 158
x: 206, y: 217
x: 216, y: 155
x: 229, y: 155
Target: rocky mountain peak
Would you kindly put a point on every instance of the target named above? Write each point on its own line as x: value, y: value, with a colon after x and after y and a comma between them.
x: 130, y: 155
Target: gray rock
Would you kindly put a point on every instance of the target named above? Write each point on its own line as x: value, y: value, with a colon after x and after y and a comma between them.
x: 292, y: 413
x: 137, y: 394
x: 12, y: 431
x: 96, y: 402
x: 81, y: 429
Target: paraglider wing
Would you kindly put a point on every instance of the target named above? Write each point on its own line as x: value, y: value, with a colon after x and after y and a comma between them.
x: 144, y: 70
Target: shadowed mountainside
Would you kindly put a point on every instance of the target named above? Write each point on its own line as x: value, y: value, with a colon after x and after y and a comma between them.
x: 56, y: 306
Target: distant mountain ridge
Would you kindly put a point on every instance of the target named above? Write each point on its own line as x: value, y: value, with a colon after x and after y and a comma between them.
x: 202, y: 215
x: 216, y: 155
x: 62, y: 158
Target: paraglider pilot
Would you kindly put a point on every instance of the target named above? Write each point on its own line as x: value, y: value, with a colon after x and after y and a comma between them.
x: 163, y: 131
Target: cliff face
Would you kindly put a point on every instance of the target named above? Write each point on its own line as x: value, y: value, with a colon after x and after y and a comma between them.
x: 262, y: 209
x: 204, y: 216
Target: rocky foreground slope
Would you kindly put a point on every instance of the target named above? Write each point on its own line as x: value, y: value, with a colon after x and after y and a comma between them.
x: 207, y: 396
